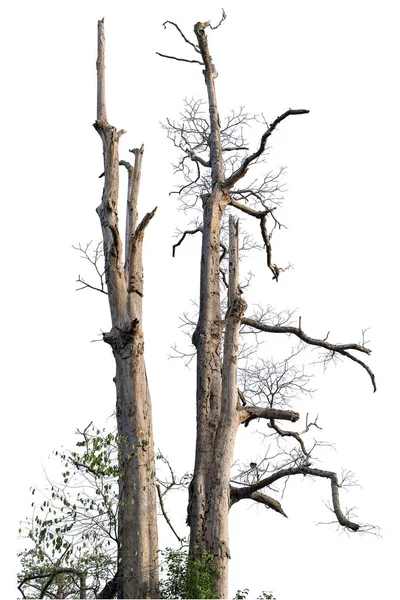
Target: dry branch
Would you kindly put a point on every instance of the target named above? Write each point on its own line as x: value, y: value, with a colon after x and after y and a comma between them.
x: 184, y: 234
x: 333, y: 348
x: 242, y: 170
x: 249, y: 413
x: 246, y: 492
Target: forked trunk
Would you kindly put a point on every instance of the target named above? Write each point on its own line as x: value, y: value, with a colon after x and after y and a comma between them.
x: 137, y: 560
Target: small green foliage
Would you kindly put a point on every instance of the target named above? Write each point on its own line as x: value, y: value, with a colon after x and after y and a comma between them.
x: 187, y: 577
x: 242, y: 595
x: 75, y: 524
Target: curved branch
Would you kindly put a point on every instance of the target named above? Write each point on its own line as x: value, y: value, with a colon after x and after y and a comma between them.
x: 184, y: 234
x: 258, y: 214
x: 246, y: 492
x: 165, y: 514
x: 262, y: 215
x: 263, y: 499
x: 182, y: 34
x: 267, y: 241
x: 334, y: 348
x: 242, y: 170
x: 195, y: 158
x: 286, y: 433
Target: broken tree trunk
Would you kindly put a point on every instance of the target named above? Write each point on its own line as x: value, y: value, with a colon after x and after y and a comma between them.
x: 138, y: 566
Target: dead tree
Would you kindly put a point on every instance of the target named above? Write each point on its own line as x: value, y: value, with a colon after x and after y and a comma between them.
x: 215, y: 161
x: 138, y: 566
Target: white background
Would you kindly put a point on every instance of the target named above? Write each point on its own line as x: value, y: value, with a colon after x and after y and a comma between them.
x: 338, y: 59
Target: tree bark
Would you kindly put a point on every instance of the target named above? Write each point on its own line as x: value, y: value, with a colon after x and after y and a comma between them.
x: 138, y: 566
x: 219, y: 411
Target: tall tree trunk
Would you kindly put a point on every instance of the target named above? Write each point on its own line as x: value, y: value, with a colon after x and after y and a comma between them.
x: 217, y: 534
x: 219, y: 413
x: 138, y: 567
x: 203, y: 496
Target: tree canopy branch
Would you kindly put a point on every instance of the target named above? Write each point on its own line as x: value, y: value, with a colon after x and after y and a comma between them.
x: 334, y: 348
x: 242, y: 170
x: 184, y: 234
x: 196, y: 48
x: 286, y: 433
x: 246, y: 492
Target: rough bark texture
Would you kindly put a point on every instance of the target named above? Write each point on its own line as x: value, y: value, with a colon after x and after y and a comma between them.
x: 138, y: 567
x: 220, y: 408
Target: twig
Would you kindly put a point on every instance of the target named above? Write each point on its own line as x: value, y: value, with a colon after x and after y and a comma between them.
x: 165, y: 514
x: 185, y: 233
x: 180, y: 59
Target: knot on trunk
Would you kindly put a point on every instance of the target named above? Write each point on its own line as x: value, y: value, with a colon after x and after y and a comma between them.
x: 237, y: 308
x: 221, y: 549
x: 121, y: 338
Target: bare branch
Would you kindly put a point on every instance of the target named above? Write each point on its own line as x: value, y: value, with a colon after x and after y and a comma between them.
x: 160, y: 497
x: 286, y: 433
x: 249, y: 159
x: 87, y: 285
x: 185, y: 233
x: 268, y: 501
x: 180, y: 59
x: 246, y: 492
x: 196, y: 48
x: 249, y: 413
x: 258, y: 214
x: 93, y: 258
x: 334, y: 348
x: 220, y: 21
x: 195, y: 158
x: 262, y: 215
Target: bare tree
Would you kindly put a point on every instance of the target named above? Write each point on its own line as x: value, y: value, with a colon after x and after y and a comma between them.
x: 215, y: 163
x: 138, y: 566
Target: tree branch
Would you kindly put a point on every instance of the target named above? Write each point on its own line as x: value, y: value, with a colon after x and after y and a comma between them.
x: 195, y: 158
x: 160, y: 497
x: 184, y: 234
x: 110, y: 589
x: 180, y: 59
x: 242, y: 170
x: 248, y: 413
x: 196, y: 48
x: 52, y: 575
x: 286, y: 433
x: 87, y: 285
x: 268, y: 501
x: 334, y: 348
x: 246, y: 492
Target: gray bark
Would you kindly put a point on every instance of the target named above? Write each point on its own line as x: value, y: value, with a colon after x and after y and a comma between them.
x: 221, y: 407
x: 138, y: 566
